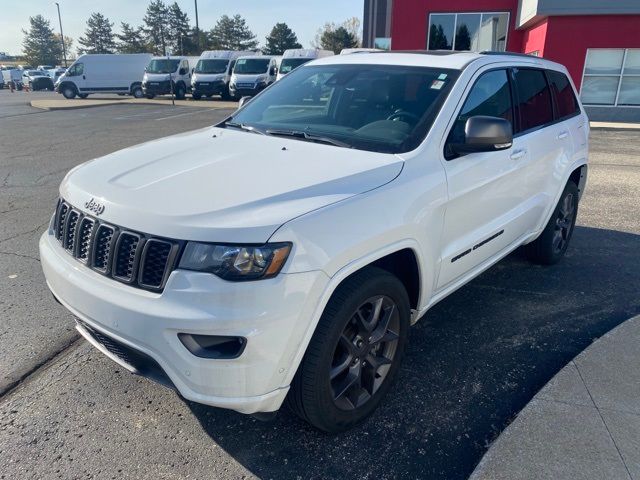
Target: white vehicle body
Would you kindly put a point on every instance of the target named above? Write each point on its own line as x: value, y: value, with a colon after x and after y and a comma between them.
x: 45, y: 67
x: 55, y: 73
x: 251, y: 81
x: 341, y: 209
x: 103, y: 73
x: 12, y: 75
x: 347, y: 51
x: 297, y: 57
x: 176, y: 78
x: 215, y: 81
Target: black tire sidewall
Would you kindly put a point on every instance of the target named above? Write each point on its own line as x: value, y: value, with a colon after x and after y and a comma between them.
x: 137, y: 92
x: 71, y: 90
x: 324, y: 414
x: 544, y: 244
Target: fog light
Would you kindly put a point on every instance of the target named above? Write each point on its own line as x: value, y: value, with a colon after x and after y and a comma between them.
x: 213, y: 346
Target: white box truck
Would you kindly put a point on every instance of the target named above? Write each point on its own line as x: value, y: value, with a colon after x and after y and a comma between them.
x: 292, y: 59
x: 252, y: 74
x: 104, y: 73
x: 165, y: 75
x: 213, y: 73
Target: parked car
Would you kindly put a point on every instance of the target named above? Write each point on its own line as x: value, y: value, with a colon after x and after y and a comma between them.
x: 252, y: 74
x: 55, y: 73
x: 165, y: 75
x: 45, y: 67
x: 104, y: 73
x: 284, y: 253
x: 12, y: 76
x: 37, y: 80
x: 294, y: 58
x: 213, y: 73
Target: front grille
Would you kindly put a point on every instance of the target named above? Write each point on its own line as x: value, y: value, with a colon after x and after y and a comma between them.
x: 131, y: 257
x: 246, y: 85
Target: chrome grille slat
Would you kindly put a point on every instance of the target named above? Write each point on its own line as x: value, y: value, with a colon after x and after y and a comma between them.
x: 130, y: 257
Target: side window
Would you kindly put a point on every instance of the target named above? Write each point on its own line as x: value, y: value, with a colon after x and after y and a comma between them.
x: 231, y: 65
x: 566, y: 102
x: 185, y: 65
x: 76, y: 69
x: 490, y: 96
x: 534, y: 106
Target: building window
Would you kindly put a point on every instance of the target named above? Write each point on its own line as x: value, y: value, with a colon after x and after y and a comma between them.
x: 468, y: 31
x: 611, y: 77
x: 382, y: 43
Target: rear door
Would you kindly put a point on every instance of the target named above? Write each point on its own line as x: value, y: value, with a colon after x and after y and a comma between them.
x: 486, y: 209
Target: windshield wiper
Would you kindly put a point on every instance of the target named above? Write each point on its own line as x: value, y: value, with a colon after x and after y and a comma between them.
x: 244, y: 126
x: 302, y: 135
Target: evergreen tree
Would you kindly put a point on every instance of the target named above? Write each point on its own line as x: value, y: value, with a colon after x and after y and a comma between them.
x: 156, y: 29
x: 338, y: 39
x: 280, y: 39
x: 232, y: 33
x: 180, y: 37
x: 98, y: 37
x: 130, y: 40
x: 40, y: 44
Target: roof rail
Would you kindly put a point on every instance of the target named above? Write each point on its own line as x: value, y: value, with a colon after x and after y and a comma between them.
x: 510, y: 54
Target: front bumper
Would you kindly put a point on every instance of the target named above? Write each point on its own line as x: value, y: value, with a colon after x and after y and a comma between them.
x: 157, y: 88
x: 273, y: 315
x: 209, y: 88
x: 246, y: 90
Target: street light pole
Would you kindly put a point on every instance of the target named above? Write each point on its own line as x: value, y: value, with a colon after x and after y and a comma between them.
x: 64, y: 49
x: 197, y: 26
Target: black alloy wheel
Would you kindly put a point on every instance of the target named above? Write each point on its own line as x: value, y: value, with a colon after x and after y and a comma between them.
x: 364, y: 353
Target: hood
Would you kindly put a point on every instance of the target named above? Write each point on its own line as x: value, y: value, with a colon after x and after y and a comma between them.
x: 223, y: 185
x: 249, y: 77
x: 157, y: 77
x: 207, y: 77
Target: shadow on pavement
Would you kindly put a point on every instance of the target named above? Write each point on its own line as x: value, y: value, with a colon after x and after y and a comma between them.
x: 473, y: 362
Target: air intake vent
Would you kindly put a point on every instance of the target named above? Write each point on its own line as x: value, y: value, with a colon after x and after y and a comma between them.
x: 125, y: 259
x: 69, y: 235
x: 155, y: 260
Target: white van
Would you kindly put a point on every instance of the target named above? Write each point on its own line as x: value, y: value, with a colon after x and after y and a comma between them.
x: 166, y: 74
x: 104, y: 73
x: 213, y: 73
x: 12, y: 75
x: 252, y: 74
x: 292, y: 59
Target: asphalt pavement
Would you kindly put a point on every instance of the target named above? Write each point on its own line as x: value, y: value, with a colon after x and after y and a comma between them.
x: 473, y: 362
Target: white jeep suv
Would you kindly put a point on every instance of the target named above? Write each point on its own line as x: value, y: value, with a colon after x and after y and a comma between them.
x: 284, y: 253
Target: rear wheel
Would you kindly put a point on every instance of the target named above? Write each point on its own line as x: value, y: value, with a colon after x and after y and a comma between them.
x: 354, y: 354
x: 68, y: 92
x: 552, y: 244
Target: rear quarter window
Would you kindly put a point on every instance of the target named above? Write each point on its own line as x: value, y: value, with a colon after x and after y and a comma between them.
x: 566, y: 102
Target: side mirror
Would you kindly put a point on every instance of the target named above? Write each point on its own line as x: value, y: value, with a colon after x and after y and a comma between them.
x: 243, y: 101
x: 485, y: 134
x: 273, y: 71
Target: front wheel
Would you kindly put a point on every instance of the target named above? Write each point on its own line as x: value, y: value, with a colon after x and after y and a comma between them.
x: 137, y: 92
x: 355, y: 352
x: 69, y: 92
x: 553, y: 242
x: 180, y: 92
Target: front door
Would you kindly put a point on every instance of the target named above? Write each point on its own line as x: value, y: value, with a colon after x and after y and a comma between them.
x: 485, y: 211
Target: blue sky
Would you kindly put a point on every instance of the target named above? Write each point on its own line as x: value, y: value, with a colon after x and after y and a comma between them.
x: 304, y: 17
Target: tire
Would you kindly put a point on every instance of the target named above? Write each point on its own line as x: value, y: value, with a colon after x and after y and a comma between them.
x: 553, y: 242
x: 83, y: 95
x: 149, y: 96
x: 136, y: 92
x: 363, y: 370
x: 180, y: 92
x: 69, y: 92
x: 196, y: 96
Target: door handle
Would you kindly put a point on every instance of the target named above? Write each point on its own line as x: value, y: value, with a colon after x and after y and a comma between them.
x: 563, y: 135
x: 518, y: 154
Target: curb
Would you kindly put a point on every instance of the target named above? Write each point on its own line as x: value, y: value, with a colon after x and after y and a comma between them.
x: 531, y: 442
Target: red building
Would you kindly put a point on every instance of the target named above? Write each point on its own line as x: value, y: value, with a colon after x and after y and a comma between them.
x: 597, y: 40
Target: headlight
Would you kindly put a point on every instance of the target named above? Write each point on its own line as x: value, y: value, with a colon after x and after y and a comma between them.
x: 236, y: 262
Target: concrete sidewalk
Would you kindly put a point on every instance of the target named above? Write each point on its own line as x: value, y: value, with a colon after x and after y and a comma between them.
x: 64, y: 104
x: 584, y: 424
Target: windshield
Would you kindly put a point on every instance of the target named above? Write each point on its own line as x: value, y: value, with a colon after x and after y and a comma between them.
x: 247, y: 66
x: 163, y: 66
x: 215, y: 65
x: 381, y: 108
x: 289, y: 64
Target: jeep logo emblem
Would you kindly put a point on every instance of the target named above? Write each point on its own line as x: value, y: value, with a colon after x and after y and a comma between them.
x: 94, y: 207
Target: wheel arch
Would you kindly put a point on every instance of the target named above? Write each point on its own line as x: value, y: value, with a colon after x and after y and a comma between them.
x: 68, y: 83
x: 579, y: 177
